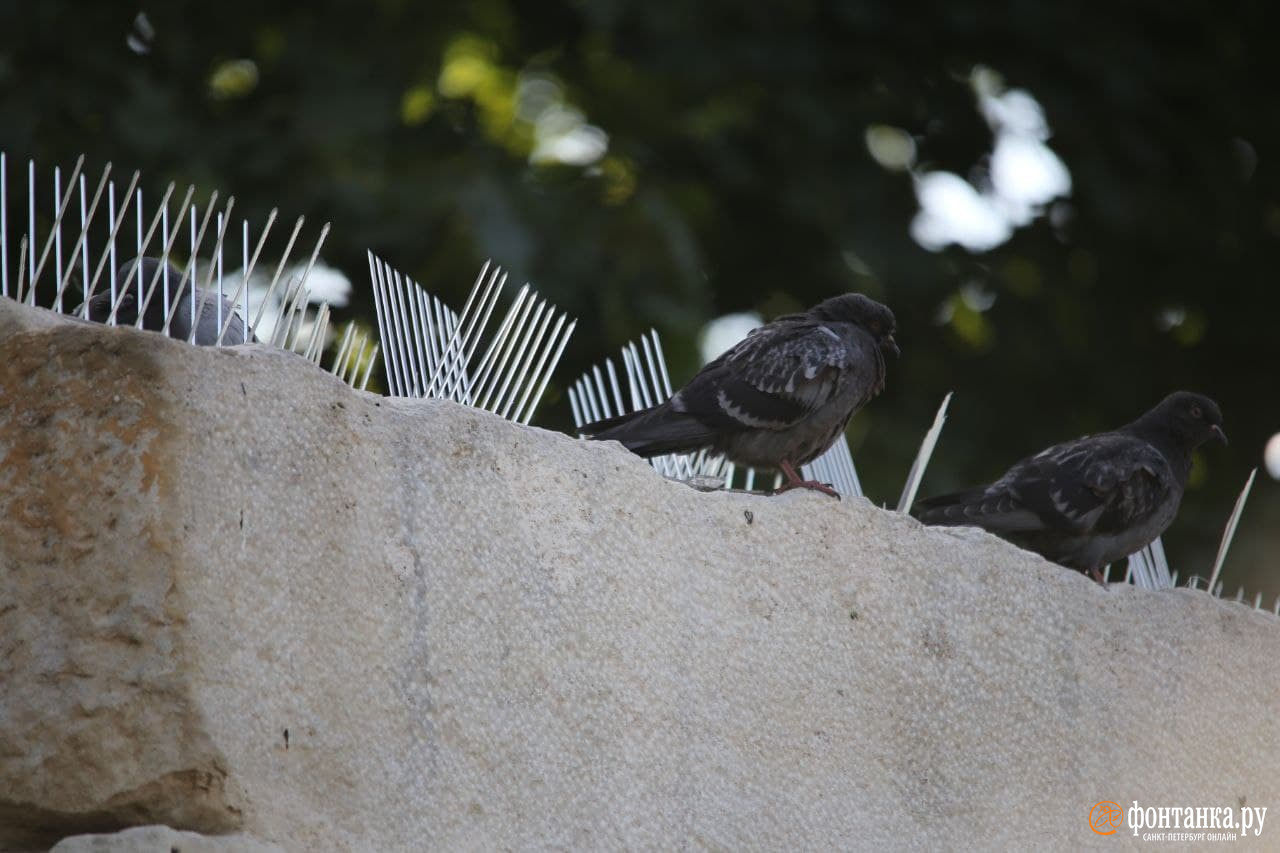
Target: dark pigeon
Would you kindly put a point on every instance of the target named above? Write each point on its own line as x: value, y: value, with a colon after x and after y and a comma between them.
x: 1089, y: 502
x: 777, y: 399
x: 154, y: 317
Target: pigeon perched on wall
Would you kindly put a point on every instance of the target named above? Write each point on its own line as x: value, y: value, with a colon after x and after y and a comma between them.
x: 154, y: 317
x: 777, y: 399
x: 1089, y: 502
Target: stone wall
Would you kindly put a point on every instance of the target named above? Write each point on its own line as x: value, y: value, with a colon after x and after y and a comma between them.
x: 237, y: 596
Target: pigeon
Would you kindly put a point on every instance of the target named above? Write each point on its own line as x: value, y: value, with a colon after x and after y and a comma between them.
x: 206, y: 309
x: 778, y: 398
x: 1089, y: 502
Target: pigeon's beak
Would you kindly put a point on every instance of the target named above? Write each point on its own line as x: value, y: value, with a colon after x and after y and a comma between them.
x: 1218, y: 433
x: 888, y: 344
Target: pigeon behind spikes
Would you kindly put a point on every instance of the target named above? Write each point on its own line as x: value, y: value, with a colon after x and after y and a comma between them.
x: 778, y: 398
x: 180, y: 327
x: 1089, y: 502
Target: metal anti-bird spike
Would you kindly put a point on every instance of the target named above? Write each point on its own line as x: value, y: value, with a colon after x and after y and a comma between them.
x: 590, y: 399
x: 191, y: 292
x: 430, y: 351
x: 1148, y: 568
x: 1230, y: 531
x: 351, y: 355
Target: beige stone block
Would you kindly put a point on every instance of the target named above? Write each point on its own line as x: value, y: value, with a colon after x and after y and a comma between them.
x: 482, y: 635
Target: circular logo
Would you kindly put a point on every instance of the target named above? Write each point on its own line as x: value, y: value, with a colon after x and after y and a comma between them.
x: 1106, y: 817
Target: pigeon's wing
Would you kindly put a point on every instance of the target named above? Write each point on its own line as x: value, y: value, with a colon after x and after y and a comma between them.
x: 1100, y: 484
x: 779, y: 375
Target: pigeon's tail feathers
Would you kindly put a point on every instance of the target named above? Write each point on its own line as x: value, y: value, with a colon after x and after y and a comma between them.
x: 653, y: 431
x: 999, y: 512
x: 945, y: 509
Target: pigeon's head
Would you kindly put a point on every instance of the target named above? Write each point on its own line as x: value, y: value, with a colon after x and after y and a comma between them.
x: 100, y: 307
x: 1193, y: 418
x: 863, y: 311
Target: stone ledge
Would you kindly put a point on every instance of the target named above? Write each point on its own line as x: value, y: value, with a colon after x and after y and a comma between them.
x: 478, y: 634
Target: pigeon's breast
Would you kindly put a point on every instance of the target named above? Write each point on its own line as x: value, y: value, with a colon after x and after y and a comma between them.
x: 801, y: 442
x: 1086, y: 552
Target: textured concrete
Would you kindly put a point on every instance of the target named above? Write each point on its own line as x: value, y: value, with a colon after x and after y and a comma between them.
x: 481, y: 635
x: 162, y: 839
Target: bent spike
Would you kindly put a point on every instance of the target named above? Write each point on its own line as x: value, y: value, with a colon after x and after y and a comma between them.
x: 99, y: 239
x: 430, y: 351
x: 1229, y: 533
x: 916, y: 474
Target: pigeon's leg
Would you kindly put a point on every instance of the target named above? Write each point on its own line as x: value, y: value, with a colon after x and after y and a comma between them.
x: 1096, y: 574
x: 795, y: 482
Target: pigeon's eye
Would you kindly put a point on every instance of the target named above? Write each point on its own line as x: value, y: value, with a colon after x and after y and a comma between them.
x: 1196, y: 412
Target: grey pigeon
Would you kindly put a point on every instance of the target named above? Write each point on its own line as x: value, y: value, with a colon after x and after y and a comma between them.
x: 1089, y: 502
x: 154, y: 317
x: 778, y: 398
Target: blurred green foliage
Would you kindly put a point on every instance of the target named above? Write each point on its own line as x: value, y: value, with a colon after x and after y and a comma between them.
x: 739, y: 175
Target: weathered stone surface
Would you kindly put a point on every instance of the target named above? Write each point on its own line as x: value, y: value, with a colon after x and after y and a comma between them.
x: 162, y: 839
x: 480, y: 635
